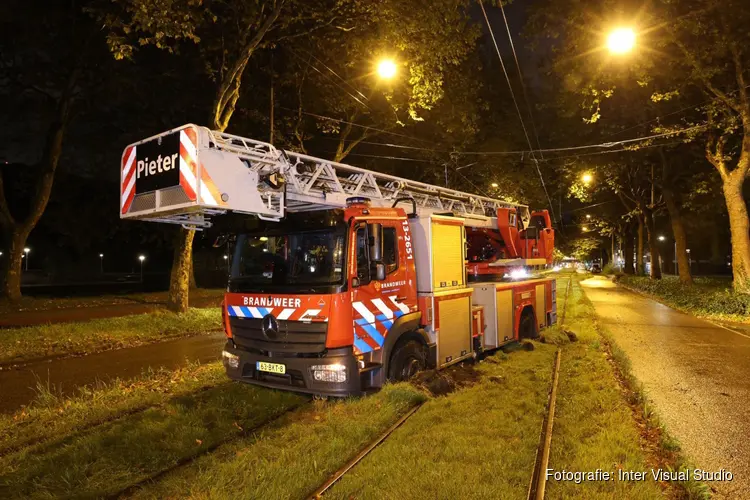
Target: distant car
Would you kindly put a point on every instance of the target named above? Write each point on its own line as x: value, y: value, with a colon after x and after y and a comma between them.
x: 596, y: 269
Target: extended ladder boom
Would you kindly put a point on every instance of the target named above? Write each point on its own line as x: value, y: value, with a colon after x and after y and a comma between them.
x: 190, y: 173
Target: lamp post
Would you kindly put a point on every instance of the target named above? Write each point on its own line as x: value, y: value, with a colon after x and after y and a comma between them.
x: 26, y: 253
x: 141, y: 258
x: 226, y: 260
x: 101, y: 263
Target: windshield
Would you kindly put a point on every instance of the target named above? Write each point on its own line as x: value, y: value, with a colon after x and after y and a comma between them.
x: 305, y: 258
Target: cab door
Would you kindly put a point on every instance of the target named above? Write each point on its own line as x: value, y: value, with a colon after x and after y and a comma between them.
x: 377, y: 303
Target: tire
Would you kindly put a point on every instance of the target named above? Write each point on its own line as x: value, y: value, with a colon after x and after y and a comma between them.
x: 527, y: 326
x: 407, y: 359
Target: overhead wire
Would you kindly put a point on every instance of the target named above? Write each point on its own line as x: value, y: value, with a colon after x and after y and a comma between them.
x: 523, y: 85
x: 515, y: 102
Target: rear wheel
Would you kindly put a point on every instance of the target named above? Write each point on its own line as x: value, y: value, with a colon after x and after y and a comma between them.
x: 406, y: 360
x: 527, y: 326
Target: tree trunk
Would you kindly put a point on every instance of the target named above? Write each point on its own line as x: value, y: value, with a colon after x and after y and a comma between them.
x: 17, y: 232
x: 11, y: 287
x: 627, y: 244
x: 180, y: 277
x: 640, y: 269
x: 678, y: 229
x: 653, y: 248
x: 740, y: 229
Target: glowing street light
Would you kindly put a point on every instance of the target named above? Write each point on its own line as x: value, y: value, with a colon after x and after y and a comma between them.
x: 587, y: 178
x: 621, y: 40
x: 101, y: 263
x: 494, y: 184
x: 141, y: 258
x: 26, y: 252
x: 585, y: 229
x: 387, y: 69
x: 588, y: 216
x: 662, y: 238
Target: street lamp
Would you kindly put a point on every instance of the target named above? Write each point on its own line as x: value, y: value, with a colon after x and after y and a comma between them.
x: 585, y: 229
x: 386, y: 69
x: 662, y: 238
x: 587, y: 178
x: 141, y: 258
x: 494, y: 184
x: 621, y: 40
x: 26, y: 252
x: 588, y: 216
x: 101, y: 263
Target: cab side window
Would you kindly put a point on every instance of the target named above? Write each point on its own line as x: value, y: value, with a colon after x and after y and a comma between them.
x: 390, y: 249
x: 363, y: 264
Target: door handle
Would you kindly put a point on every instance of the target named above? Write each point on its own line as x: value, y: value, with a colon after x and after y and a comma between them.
x: 400, y: 299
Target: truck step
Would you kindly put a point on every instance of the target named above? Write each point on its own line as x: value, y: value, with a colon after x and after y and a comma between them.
x: 370, y: 367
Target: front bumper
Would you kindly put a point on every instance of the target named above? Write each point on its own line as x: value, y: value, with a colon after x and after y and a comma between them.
x: 299, y: 376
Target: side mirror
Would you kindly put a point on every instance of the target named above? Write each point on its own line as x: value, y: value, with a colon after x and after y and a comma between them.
x: 355, y: 282
x: 379, y: 271
x: 375, y: 232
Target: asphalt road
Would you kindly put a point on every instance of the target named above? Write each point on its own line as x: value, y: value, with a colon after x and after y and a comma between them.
x: 17, y: 386
x: 696, y: 373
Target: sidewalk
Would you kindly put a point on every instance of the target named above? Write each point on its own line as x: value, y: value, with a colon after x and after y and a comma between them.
x: 695, y: 372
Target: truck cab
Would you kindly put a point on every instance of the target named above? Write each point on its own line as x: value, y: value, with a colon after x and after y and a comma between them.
x: 315, y: 301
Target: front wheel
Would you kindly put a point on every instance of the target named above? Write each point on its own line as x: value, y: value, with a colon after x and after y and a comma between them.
x: 406, y: 361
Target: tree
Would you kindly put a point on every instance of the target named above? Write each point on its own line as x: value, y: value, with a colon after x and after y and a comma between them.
x: 42, y: 76
x: 227, y: 34
x: 691, y: 50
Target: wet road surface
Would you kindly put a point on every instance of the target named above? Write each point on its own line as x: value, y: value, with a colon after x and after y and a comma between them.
x: 696, y: 373
x: 17, y: 385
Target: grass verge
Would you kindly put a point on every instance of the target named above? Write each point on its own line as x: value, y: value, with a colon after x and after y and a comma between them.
x: 52, y: 417
x: 292, y: 457
x: 479, y: 442
x: 110, y: 458
x: 707, y: 298
x: 69, y: 339
x: 593, y: 428
x: 200, y: 295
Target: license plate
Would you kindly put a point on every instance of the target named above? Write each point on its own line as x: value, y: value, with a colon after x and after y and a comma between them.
x: 270, y: 367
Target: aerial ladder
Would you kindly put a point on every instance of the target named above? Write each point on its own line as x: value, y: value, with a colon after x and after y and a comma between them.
x: 338, y: 288
x: 207, y: 173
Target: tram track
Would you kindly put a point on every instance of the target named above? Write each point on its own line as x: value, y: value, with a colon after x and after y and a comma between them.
x: 538, y: 480
x: 185, y: 461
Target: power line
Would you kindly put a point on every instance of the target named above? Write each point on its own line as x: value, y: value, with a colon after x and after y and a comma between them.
x: 520, y: 117
x: 523, y: 85
x: 603, y: 145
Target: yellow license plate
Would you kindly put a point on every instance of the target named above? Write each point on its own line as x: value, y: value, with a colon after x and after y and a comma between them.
x: 270, y: 367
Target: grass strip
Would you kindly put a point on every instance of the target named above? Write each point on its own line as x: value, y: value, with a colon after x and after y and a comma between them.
x: 68, y: 339
x: 110, y: 458
x: 292, y: 457
x: 479, y: 442
x: 27, y: 303
x: 709, y: 298
x: 53, y: 417
x: 594, y: 429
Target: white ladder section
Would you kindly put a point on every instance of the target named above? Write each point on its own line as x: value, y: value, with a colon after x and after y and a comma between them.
x: 314, y: 183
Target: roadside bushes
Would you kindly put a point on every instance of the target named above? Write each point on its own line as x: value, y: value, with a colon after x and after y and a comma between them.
x: 707, y: 297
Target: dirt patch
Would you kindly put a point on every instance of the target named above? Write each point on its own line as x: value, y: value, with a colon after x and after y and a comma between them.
x: 442, y: 382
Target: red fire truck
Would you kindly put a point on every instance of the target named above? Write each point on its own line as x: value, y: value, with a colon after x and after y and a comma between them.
x: 342, y: 277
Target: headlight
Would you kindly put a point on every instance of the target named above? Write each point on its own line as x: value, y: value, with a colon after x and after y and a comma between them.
x: 329, y: 373
x: 230, y: 360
